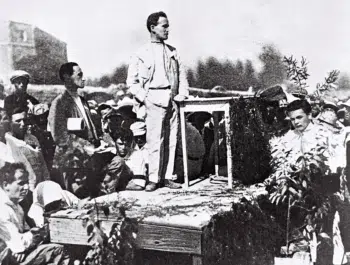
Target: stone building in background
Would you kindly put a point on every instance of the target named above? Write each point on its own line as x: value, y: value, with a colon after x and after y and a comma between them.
x: 26, y: 47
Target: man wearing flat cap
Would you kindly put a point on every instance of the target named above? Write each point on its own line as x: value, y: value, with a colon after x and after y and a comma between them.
x: 20, y: 97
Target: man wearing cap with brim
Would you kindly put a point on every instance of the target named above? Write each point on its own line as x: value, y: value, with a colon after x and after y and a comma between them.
x: 20, y: 97
x: 40, y: 131
x: 328, y: 117
x: 138, y: 159
x: 345, y: 112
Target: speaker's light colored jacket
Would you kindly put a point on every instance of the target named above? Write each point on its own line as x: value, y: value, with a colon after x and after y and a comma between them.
x: 141, y: 70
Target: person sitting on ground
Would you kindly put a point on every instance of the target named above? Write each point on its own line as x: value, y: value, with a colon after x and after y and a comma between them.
x: 4, y: 122
x: 76, y: 172
x: 304, y: 141
x: 328, y: 116
x: 138, y: 158
x: 40, y: 131
x: 25, y: 147
x: 345, y: 113
x: 103, y: 109
x: 26, y: 244
x: 20, y: 97
x: 5, y: 253
x: 48, y: 196
x: 195, y: 153
x: 111, y: 123
x: 116, y: 175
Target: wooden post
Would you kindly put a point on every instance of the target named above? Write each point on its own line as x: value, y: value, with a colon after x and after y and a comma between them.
x: 197, y: 260
x: 228, y: 145
x: 216, y: 143
x: 184, y: 146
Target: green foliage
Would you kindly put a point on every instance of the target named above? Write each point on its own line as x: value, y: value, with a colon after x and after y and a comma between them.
x: 42, y: 68
x: 242, y: 236
x: 116, y: 248
x: 232, y: 76
x: 302, y: 182
x: 344, y: 81
x: 118, y: 76
x: 249, y: 142
x: 329, y: 84
x: 273, y: 71
x: 298, y: 74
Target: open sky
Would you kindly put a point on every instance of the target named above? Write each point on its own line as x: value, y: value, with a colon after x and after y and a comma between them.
x: 103, y: 34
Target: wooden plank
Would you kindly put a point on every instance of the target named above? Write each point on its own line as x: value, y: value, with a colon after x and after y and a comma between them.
x: 68, y: 231
x: 154, y: 237
x: 170, y: 239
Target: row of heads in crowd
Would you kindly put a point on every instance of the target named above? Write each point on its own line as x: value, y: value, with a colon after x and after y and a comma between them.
x: 277, y: 103
x: 116, y: 111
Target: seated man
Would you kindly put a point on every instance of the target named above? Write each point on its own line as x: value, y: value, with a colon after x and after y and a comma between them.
x: 312, y: 142
x: 328, y: 117
x: 40, y: 131
x: 26, y: 245
x: 138, y: 158
x: 116, y: 175
x: 25, y: 147
x: 307, y: 134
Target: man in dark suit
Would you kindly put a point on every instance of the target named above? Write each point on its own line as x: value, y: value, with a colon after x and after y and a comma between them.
x: 70, y: 105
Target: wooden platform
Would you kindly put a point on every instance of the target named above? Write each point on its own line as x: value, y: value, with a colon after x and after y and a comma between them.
x: 169, y: 220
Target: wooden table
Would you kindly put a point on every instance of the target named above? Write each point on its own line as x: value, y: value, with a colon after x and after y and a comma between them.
x: 211, y: 105
x: 170, y: 220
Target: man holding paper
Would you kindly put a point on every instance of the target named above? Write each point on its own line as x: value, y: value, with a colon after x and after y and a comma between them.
x: 71, y: 109
x: 70, y: 120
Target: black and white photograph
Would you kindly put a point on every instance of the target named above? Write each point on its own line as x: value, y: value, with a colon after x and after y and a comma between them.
x: 165, y: 132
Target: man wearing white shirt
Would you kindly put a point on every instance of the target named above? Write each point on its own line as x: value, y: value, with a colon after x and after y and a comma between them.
x: 25, y: 244
x: 157, y: 79
x: 307, y: 137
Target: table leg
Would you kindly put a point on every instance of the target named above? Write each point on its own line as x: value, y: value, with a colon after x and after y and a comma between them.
x: 197, y: 260
x: 228, y: 145
x: 184, y: 147
x: 216, y: 143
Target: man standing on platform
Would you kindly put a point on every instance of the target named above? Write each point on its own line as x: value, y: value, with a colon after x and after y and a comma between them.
x: 71, y: 105
x: 64, y: 107
x: 157, y: 79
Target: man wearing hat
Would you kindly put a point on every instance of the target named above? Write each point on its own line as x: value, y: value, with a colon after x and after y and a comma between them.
x: 328, y: 116
x: 40, y: 131
x: 20, y: 97
x: 345, y: 112
x: 137, y: 161
x: 157, y: 80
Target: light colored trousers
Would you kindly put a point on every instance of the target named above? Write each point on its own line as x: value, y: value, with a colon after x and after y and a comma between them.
x: 161, y: 137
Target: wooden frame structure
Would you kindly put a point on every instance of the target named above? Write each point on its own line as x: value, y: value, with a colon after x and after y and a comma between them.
x: 211, y: 105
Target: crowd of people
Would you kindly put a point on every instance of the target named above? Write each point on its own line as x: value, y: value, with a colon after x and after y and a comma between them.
x: 72, y: 148
x: 59, y: 152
